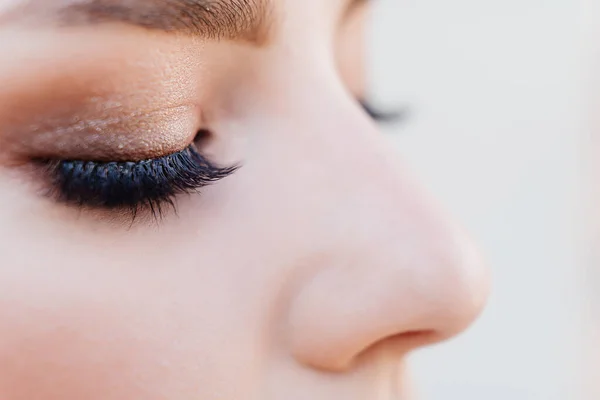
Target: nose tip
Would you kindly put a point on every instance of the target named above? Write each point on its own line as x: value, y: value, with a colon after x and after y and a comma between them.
x: 435, y: 289
x: 460, y: 292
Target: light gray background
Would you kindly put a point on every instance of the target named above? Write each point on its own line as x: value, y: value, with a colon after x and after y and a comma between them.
x: 495, y: 133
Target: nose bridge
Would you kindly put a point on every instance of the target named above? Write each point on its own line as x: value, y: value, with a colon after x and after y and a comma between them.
x: 388, y: 219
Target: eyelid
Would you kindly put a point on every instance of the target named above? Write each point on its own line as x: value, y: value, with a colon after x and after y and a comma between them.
x: 117, y: 135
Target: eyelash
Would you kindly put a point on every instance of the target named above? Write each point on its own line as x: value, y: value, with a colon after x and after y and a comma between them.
x: 148, y: 184
x: 381, y: 116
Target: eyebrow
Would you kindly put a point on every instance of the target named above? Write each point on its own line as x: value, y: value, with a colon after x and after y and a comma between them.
x: 245, y: 20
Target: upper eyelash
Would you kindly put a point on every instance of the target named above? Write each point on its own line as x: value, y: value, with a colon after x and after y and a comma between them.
x: 134, y: 185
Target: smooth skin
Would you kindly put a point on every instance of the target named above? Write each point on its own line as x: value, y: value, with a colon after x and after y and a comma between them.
x: 309, y: 274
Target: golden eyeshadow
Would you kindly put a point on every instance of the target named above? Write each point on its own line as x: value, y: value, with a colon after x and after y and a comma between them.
x: 103, y: 96
x: 107, y: 131
x: 98, y: 116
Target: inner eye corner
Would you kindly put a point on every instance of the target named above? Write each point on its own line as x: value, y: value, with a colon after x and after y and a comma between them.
x: 203, y: 136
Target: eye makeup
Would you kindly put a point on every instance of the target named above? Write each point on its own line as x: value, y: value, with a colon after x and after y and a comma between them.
x: 147, y: 184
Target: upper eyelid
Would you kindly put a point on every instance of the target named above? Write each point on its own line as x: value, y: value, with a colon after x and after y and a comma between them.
x: 107, y: 138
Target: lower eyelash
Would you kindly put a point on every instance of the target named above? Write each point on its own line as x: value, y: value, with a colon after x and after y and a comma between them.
x: 134, y: 185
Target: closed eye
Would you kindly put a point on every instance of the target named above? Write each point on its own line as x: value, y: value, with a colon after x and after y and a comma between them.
x: 148, y: 184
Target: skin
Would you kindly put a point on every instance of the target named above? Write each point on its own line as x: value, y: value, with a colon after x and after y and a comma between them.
x: 310, y: 273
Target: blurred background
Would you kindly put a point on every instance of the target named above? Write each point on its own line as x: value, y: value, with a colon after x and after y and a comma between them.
x: 497, y: 132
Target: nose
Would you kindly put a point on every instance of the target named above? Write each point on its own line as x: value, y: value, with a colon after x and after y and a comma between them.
x: 398, y: 271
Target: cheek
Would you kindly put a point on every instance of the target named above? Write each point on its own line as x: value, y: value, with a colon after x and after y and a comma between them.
x: 107, y: 336
x: 85, y: 323
x: 72, y: 350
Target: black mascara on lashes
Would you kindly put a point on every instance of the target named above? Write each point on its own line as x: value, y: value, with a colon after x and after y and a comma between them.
x: 148, y: 183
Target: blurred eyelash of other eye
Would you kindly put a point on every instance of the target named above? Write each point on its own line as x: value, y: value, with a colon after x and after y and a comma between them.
x: 382, y: 116
x: 148, y: 184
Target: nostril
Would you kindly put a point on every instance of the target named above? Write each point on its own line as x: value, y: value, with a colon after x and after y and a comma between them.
x: 402, y: 343
x: 394, y: 346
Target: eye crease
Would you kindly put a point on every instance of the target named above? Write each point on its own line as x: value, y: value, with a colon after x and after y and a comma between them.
x: 143, y: 185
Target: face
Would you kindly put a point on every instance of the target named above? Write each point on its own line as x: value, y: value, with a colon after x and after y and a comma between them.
x: 194, y: 205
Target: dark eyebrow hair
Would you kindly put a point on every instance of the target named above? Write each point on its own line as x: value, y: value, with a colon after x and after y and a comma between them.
x: 213, y: 19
